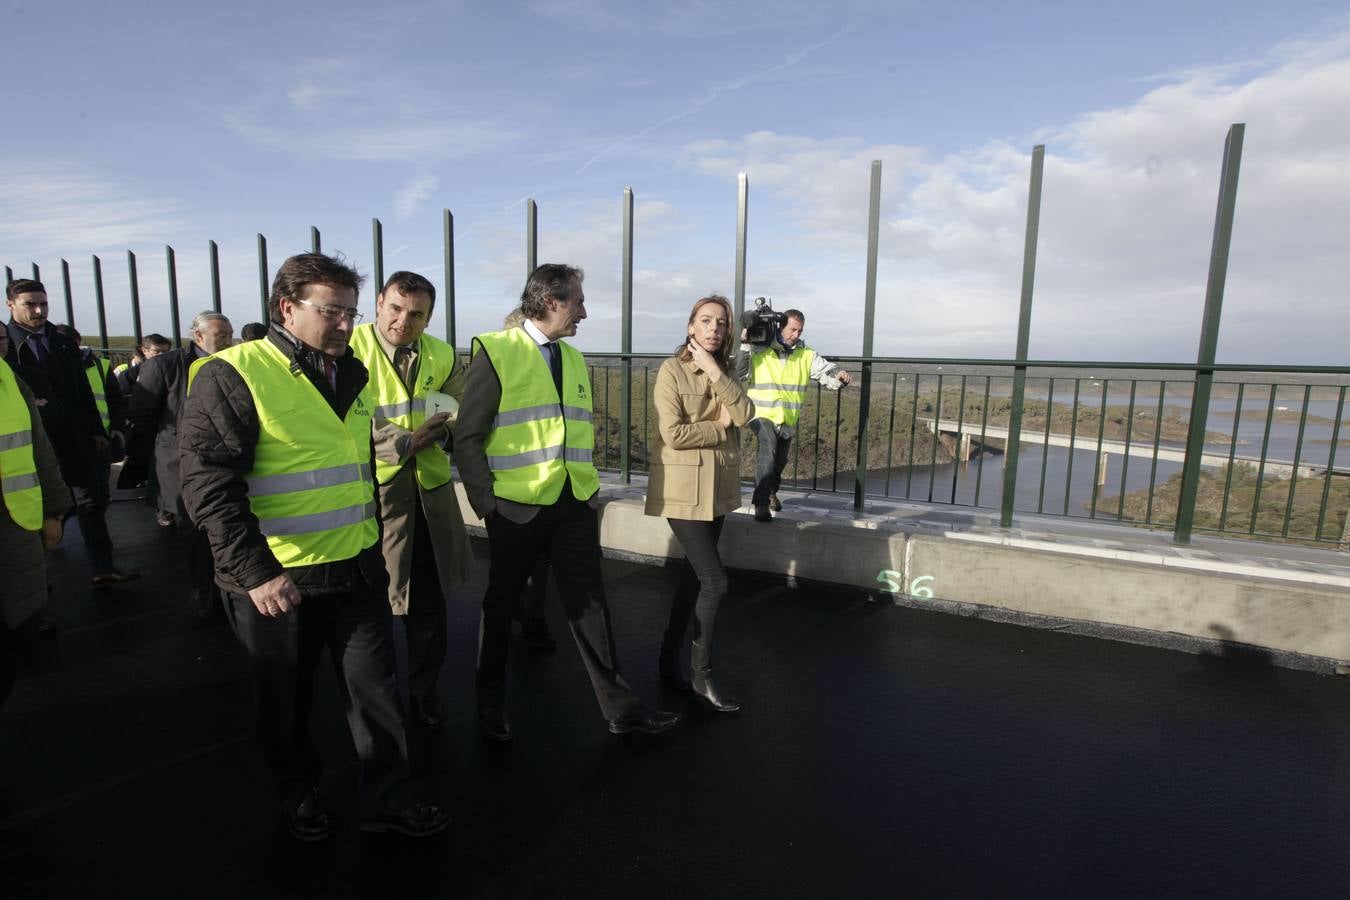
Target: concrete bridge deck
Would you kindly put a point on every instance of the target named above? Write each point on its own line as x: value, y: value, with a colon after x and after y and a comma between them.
x: 883, y: 752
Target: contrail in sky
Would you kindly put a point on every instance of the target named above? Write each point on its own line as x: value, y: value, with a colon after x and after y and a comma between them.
x: 792, y: 60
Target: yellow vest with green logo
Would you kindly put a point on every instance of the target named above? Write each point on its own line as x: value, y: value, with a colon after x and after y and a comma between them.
x: 537, y: 443
x: 18, y: 469
x: 97, y: 375
x: 435, y: 363
x: 310, y: 485
x: 778, y: 386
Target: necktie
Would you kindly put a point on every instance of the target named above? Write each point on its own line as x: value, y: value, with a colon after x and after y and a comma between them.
x: 403, y: 358
x: 330, y: 369
x: 37, y: 347
x: 555, y: 363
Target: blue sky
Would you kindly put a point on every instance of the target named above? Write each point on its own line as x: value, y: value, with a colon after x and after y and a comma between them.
x: 140, y: 124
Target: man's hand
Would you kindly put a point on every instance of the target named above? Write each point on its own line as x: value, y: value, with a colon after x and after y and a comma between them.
x: 51, y: 532
x: 276, y: 597
x: 845, y: 378
x: 119, y: 439
x: 429, y: 433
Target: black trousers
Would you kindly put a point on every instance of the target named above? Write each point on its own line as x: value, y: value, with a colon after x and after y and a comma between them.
x: 770, y: 459
x: 424, y: 623
x: 568, y: 532
x: 357, y: 629
x: 703, y: 583
x: 91, y: 504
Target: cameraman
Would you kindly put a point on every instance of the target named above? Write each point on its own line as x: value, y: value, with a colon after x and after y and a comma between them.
x: 777, y: 373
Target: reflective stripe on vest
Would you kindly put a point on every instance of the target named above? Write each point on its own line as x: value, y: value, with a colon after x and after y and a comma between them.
x: 18, y: 469
x: 778, y: 386
x: 310, y: 484
x: 537, y: 443
x: 435, y: 364
x: 97, y: 375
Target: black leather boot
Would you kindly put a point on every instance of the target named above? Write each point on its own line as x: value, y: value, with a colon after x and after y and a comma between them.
x: 701, y: 681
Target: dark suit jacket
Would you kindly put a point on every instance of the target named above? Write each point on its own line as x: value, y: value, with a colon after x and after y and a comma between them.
x: 156, y: 404
x: 74, y: 417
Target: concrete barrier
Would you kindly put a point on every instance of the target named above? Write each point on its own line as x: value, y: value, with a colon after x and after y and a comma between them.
x: 1296, y: 615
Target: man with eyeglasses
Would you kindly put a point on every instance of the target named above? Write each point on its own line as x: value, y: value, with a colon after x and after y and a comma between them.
x: 276, y: 463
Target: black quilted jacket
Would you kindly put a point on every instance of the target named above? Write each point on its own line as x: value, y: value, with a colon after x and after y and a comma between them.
x: 217, y: 435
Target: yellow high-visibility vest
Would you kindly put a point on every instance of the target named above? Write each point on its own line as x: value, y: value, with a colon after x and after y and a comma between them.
x: 537, y: 443
x: 435, y: 363
x: 310, y: 486
x: 778, y: 386
x: 18, y: 469
x: 98, y: 375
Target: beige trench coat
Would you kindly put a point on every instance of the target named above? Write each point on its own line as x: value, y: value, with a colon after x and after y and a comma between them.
x: 695, y: 463
x: 441, y: 507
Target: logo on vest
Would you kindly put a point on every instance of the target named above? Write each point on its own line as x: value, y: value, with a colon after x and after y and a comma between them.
x: 359, y: 408
x: 581, y: 392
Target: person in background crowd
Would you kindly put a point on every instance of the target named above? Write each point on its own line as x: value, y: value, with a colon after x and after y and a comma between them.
x: 695, y: 481
x: 253, y: 331
x: 155, y: 408
x: 35, y: 505
x: 777, y: 377
x: 79, y: 437
x: 426, y: 548
x: 108, y: 398
x: 523, y: 445
x: 152, y: 345
x: 276, y: 459
x: 134, y: 472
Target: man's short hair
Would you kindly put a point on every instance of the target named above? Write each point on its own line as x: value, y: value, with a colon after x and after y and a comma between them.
x: 409, y: 283
x: 23, y: 286
x: 253, y: 331
x: 795, y: 314
x: 155, y: 341
x: 209, y: 315
x: 554, y: 280
x: 304, y: 269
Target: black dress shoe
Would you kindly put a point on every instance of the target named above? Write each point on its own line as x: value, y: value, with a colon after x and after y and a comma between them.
x: 644, y: 721
x: 112, y: 577
x: 419, y: 820
x: 428, y: 710
x: 493, y: 724
x: 762, y: 513
x: 309, y: 820
x: 535, y: 633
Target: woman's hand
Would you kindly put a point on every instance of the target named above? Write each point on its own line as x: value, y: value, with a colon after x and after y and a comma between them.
x: 705, y: 361
x: 723, y: 416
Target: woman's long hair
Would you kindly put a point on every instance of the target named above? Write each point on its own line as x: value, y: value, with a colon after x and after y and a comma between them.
x: 725, y: 353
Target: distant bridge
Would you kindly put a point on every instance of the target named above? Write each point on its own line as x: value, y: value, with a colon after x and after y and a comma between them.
x: 968, y: 430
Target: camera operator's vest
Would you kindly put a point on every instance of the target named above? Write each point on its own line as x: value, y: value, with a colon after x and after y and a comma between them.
x: 98, y: 383
x: 778, y: 385
x: 537, y: 443
x: 18, y: 470
x: 435, y: 362
x: 310, y: 485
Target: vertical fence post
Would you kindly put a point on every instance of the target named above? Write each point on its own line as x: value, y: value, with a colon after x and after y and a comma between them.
x: 869, y: 325
x: 9, y: 276
x: 37, y: 272
x: 1019, y: 385
x: 262, y: 274
x: 173, y: 297
x: 70, y: 299
x: 135, y: 297
x: 626, y: 392
x: 215, y: 275
x: 315, y: 241
x: 448, y: 242
x: 742, y: 224
x: 377, y: 239
x: 1209, y: 333
x: 98, y: 303
x: 531, y: 238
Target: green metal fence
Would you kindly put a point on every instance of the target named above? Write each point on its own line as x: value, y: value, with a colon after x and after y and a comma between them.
x: 1172, y: 468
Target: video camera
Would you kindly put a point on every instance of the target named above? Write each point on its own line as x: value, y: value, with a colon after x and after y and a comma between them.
x: 762, y: 323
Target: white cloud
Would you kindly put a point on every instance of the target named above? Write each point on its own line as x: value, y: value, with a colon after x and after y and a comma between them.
x: 1126, y: 223
x: 410, y: 196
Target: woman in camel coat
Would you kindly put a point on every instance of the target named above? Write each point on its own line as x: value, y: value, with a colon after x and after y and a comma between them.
x: 695, y: 482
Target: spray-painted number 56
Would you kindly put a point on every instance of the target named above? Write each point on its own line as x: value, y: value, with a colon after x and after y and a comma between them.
x: 894, y: 582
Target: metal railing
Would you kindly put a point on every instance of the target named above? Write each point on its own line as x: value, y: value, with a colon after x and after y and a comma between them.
x: 1018, y: 397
